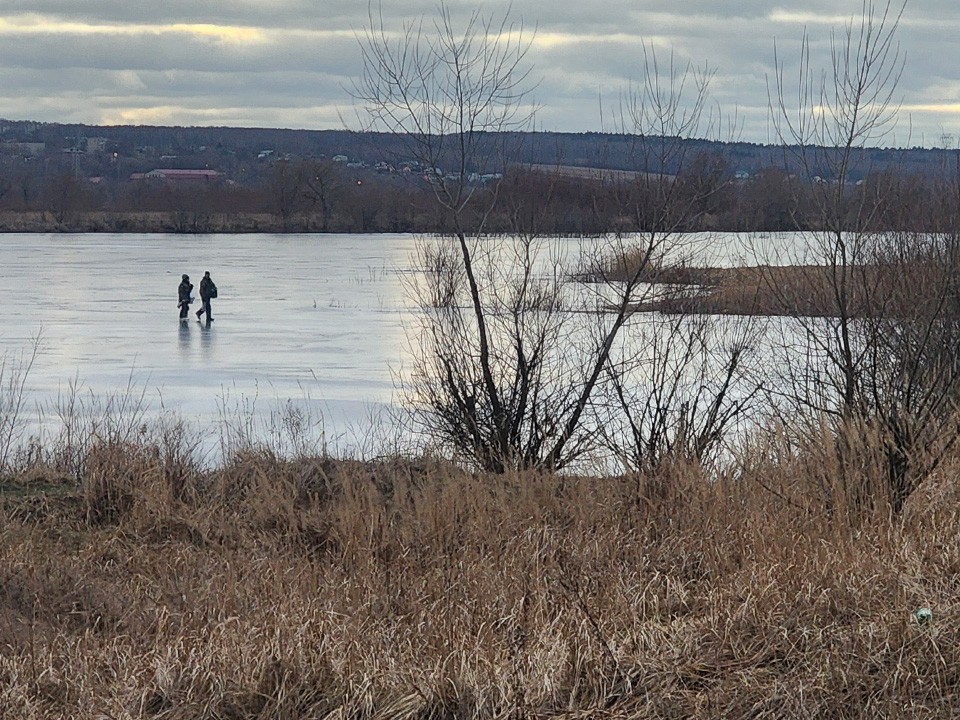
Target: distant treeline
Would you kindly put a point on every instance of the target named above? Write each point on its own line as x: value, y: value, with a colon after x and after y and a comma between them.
x: 88, y: 178
x: 324, y: 196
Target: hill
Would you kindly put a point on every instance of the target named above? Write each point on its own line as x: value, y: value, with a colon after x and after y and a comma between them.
x: 589, y: 149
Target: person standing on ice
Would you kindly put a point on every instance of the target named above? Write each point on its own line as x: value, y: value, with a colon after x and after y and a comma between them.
x: 208, y: 291
x: 183, y: 295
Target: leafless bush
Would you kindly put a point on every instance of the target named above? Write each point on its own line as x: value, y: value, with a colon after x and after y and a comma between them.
x: 508, y: 354
x: 881, y: 361
x: 503, y: 404
x: 684, y: 393
x: 14, y: 373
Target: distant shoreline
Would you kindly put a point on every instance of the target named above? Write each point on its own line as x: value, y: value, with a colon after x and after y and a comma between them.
x: 41, y: 222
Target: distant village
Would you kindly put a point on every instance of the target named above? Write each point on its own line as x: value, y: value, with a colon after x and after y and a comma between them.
x: 101, y: 159
x: 209, y: 179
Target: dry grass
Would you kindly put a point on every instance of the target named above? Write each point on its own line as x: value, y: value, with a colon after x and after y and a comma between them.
x: 870, y: 290
x: 766, y: 290
x: 316, y: 588
x: 762, y: 290
x: 799, y: 290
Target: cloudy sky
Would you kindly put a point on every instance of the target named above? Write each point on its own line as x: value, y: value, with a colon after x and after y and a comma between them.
x: 286, y: 63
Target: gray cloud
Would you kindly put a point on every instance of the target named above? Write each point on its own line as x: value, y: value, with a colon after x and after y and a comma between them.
x: 294, y: 54
x: 287, y: 62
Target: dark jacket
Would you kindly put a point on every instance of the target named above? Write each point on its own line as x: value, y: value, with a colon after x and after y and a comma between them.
x: 183, y: 293
x: 207, y: 289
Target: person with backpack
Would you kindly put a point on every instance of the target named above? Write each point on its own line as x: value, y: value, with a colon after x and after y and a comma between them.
x: 208, y: 291
x: 183, y: 296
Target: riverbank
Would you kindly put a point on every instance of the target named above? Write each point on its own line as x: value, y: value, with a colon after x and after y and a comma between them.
x: 147, y: 586
x: 154, y: 222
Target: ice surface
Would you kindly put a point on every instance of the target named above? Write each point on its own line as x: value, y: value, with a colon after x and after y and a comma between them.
x: 313, y: 318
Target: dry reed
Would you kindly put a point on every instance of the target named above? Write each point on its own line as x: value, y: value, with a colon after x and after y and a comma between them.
x: 321, y: 588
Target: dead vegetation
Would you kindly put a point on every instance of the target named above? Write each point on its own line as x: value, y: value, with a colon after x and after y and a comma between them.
x: 786, y: 291
x: 274, y: 588
x: 780, y: 290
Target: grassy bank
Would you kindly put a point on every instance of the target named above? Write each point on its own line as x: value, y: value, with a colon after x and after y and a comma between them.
x: 151, y: 587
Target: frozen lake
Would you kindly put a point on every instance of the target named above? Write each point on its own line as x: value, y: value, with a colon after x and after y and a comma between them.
x: 313, y: 319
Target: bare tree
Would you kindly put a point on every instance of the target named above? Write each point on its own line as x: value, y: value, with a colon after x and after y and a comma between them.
x: 677, y: 384
x: 188, y: 207
x: 451, y: 96
x: 510, y: 354
x: 284, y: 189
x: 6, y: 185
x: 321, y: 186
x: 872, y: 359
x: 825, y: 124
x: 26, y: 183
x: 66, y: 194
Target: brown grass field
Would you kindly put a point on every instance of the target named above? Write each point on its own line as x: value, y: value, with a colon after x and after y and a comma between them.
x: 151, y: 587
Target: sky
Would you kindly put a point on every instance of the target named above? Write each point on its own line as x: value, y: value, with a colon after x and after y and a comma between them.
x: 290, y: 63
